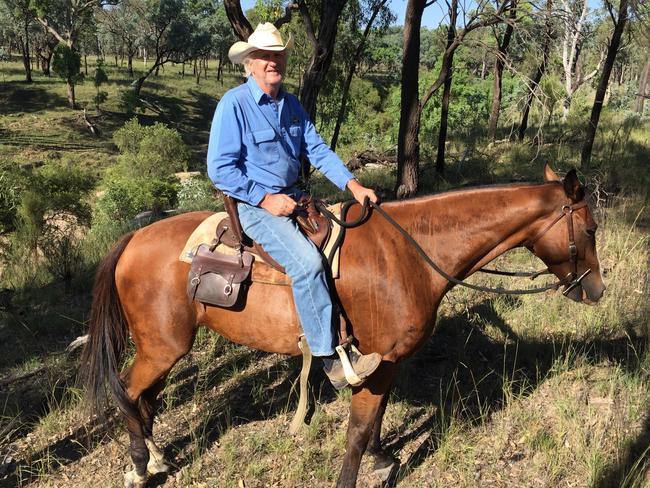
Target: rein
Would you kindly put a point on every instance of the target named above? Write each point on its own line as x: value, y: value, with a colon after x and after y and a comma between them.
x: 570, y: 282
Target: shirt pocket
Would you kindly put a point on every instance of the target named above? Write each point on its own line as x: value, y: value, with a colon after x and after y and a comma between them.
x: 267, y: 145
x: 295, y: 133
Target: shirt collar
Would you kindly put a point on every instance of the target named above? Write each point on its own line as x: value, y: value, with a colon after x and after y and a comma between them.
x: 258, y: 94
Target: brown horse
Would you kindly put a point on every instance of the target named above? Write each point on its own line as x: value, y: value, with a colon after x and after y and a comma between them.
x: 388, y: 292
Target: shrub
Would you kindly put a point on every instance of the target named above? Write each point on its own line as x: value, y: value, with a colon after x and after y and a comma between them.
x: 150, y: 151
x: 143, y: 178
x: 12, y: 183
x: 66, y: 63
x: 197, y: 193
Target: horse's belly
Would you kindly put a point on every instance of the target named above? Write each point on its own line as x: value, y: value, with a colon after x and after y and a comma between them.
x: 268, y: 320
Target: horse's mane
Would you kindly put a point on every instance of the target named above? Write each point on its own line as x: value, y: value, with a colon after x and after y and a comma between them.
x: 477, y: 188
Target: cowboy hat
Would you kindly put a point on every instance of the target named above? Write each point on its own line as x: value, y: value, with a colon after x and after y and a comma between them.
x: 266, y: 37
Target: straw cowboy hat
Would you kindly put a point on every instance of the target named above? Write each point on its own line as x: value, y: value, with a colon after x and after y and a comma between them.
x: 266, y: 37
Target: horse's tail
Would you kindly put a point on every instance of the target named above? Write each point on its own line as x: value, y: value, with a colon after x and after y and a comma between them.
x: 107, y: 337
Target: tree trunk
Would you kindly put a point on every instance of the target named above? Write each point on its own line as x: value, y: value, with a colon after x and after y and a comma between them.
x: 238, y: 20
x: 499, y: 63
x: 612, y: 51
x: 643, y: 84
x: 539, y: 72
x: 408, y: 144
x: 25, y: 49
x: 71, y: 97
x: 85, y: 65
x: 348, y: 79
x: 323, y: 48
x: 129, y: 64
x: 446, y: 96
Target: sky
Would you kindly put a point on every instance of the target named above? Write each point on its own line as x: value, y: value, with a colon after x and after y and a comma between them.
x: 430, y: 18
x: 432, y: 14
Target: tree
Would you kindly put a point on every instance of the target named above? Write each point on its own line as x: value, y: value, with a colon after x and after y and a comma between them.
x: 619, y: 22
x: 548, y: 35
x: 408, y: 146
x: 643, y: 84
x: 65, y: 19
x: 66, y: 63
x: 169, y: 33
x: 123, y: 24
x: 22, y: 15
x: 374, y: 8
x: 576, y: 29
x: 499, y: 62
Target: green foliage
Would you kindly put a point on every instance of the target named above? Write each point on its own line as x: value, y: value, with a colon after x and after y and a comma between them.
x: 150, y: 151
x: 197, y: 193
x: 100, y: 77
x: 13, y: 181
x: 51, y: 212
x: 143, y: 178
x: 66, y: 63
x: 129, y: 101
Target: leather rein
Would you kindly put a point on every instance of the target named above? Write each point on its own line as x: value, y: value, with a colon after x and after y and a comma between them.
x: 569, y: 282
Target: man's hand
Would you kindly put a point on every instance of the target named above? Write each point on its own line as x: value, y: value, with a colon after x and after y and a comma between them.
x: 360, y: 192
x: 278, y: 204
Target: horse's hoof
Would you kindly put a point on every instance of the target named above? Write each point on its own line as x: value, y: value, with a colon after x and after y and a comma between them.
x: 384, y: 466
x: 134, y: 480
x: 156, y: 467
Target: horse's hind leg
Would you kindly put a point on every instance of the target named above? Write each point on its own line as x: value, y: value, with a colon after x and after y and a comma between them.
x: 143, y: 380
x: 148, y: 404
x: 366, y: 406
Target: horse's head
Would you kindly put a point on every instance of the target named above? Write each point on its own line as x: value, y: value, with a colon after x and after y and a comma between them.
x: 567, y: 244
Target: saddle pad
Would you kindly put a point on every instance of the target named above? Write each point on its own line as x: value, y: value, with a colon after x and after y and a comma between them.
x: 261, y: 272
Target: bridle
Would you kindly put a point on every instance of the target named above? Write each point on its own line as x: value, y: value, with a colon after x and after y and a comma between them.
x: 571, y: 281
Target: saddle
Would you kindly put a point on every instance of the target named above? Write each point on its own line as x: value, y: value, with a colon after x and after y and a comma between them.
x: 220, y: 279
x: 313, y: 225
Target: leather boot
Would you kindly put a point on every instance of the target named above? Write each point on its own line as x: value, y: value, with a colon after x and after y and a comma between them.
x: 362, y: 364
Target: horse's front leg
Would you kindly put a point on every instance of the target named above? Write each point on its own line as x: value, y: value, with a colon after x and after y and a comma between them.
x: 384, y: 462
x: 366, y: 405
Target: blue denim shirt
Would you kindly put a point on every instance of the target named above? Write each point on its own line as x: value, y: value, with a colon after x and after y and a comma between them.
x: 248, y: 158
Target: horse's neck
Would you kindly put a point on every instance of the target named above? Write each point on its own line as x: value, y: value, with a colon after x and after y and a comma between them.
x: 465, y: 230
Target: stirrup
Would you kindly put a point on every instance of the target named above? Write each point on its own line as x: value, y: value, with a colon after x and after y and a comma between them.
x: 350, y: 375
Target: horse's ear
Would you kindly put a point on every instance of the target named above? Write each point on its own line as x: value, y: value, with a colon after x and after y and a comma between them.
x: 549, y: 174
x: 572, y: 186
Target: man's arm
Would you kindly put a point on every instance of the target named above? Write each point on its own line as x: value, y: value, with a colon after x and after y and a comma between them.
x: 327, y: 162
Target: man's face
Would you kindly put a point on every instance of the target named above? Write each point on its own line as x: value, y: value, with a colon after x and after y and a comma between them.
x: 268, y: 67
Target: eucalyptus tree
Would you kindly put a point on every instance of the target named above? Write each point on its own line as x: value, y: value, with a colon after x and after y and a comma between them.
x: 169, y: 34
x: 578, y: 29
x: 503, y: 43
x: 22, y: 16
x: 65, y: 20
x: 458, y: 27
x: 123, y: 25
x: 369, y: 12
x: 543, y: 37
x: 619, y: 17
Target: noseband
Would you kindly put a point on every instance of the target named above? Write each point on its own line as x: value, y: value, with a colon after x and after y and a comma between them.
x: 572, y: 279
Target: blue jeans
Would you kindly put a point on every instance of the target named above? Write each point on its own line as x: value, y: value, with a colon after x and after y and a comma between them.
x: 303, y: 263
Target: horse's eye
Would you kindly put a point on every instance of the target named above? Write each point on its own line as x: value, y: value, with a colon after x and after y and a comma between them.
x: 590, y: 232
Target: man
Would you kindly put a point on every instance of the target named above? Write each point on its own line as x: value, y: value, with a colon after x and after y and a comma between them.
x: 258, y: 134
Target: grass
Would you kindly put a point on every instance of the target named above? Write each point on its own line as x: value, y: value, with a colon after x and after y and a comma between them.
x: 534, y: 391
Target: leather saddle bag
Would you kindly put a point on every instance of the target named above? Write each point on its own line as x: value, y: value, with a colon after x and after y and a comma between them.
x: 218, y: 279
